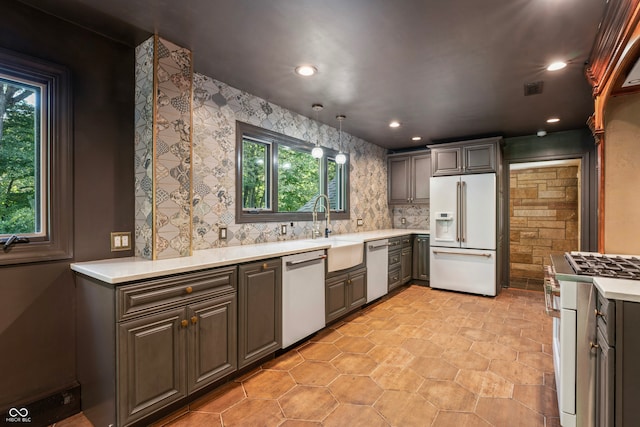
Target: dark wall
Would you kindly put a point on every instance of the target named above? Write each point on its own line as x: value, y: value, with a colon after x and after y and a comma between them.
x: 562, y: 145
x: 37, y: 301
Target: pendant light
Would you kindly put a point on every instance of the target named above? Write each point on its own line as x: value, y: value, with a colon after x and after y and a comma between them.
x: 341, y: 158
x: 317, y: 152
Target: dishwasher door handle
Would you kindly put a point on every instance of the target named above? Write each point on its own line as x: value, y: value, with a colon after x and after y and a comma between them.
x: 304, y: 261
x: 374, y: 247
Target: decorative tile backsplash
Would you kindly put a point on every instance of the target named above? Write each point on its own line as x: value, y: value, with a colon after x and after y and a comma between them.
x: 163, y: 150
x: 185, y: 167
x: 416, y: 216
x: 216, y: 107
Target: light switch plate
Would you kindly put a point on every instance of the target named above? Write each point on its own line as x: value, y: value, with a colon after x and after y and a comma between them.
x: 222, y: 233
x: 360, y: 222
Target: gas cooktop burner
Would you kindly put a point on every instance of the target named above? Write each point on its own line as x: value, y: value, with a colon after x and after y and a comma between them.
x: 605, y: 266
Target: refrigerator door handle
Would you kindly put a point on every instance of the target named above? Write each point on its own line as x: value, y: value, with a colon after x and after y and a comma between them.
x: 463, y: 211
x: 458, y: 211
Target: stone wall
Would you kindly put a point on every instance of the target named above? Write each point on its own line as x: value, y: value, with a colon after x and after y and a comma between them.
x: 544, y: 219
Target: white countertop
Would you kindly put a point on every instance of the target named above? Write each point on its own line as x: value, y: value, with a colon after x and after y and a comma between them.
x: 121, y: 270
x: 620, y: 289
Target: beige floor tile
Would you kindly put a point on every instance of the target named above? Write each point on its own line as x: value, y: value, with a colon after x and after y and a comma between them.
x: 308, y: 403
x: 403, y: 408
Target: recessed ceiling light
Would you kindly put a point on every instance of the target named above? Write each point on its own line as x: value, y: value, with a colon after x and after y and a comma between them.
x: 553, y: 120
x: 416, y: 138
x: 306, y: 70
x: 394, y: 124
x: 554, y: 66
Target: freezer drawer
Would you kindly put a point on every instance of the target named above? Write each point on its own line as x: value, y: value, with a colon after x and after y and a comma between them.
x: 464, y: 270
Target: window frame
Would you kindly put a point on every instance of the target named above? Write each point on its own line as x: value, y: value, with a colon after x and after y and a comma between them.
x: 245, y: 130
x: 56, y: 164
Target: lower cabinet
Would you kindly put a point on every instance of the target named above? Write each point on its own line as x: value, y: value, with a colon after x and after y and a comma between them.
x: 166, y: 356
x: 617, y: 369
x: 421, y: 257
x: 406, y: 260
x: 345, y: 292
x: 145, y: 345
x: 260, y: 310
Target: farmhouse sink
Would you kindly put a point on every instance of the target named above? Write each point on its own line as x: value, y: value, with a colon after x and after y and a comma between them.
x: 343, y: 253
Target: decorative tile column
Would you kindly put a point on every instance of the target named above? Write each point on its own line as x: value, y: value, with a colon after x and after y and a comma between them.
x: 163, y: 150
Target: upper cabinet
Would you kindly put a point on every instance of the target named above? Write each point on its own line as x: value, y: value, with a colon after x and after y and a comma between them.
x: 477, y: 156
x: 409, y: 178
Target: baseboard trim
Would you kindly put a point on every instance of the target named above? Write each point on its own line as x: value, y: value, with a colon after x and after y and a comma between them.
x: 44, y: 411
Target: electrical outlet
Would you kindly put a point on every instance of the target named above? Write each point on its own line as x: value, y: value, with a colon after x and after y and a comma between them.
x: 283, y: 229
x: 403, y: 220
x: 359, y: 222
x: 222, y: 233
x: 120, y: 241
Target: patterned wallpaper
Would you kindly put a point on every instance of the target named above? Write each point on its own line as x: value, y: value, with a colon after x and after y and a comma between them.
x: 163, y: 150
x: 216, y: 107
x: 185, y: 161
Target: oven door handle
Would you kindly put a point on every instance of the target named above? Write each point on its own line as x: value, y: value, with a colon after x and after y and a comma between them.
x: 551, y: 290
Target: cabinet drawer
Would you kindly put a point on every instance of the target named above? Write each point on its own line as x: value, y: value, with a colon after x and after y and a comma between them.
x: 394, y: 258
x: 153, y: 295
x: 406, y: 241
x: 394, y: 278
x: 606, y: 318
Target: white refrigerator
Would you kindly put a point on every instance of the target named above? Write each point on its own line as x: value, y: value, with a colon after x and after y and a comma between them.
x: 463, y: 233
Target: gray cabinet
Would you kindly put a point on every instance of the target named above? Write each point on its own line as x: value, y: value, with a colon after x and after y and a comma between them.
x: 421, y: 257
x: 408, y: 178
x: 400, y: 261
x: 345, y: 292
x: 617, y: 371
x: 145, y: 345
x: 395, y: 263
x: 406, y: 259
x: 477, y: 156
x: 259, y: 310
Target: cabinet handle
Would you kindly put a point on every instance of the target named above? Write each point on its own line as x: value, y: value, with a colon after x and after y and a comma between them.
x: 194, y: 320
x: 594, y: 345
x: 349, y: 281
x: 188, y: 289
x: 184, y: 323
x: 265, y: 266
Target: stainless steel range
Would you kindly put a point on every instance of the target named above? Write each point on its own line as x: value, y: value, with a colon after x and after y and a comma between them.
x: 618, y: 267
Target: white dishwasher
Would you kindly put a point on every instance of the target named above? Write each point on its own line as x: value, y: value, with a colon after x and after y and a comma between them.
x: 303, y: 284
x: 377, y: 269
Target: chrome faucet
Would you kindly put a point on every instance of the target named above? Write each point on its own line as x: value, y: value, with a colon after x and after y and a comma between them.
x: 327, y: 209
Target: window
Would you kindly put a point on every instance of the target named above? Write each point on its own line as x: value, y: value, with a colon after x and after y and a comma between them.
x: 35, y: 160
x: 278, y: 180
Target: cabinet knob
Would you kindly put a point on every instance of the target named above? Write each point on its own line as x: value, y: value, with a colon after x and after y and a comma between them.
x: 184, y: 323
x: 265, y: 266
x: 598, y: 313
x: 194, y: 320
x: 349, y: 281
x: 594, y: 345
x: 188, y: 289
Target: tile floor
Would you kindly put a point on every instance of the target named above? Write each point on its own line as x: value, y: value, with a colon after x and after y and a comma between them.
x: 419, y: 357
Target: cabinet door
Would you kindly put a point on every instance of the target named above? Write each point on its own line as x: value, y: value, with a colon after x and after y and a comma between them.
x: 212, y: 340
x: 605, y: 380
x: 421, y: 258
x: 479, y: 158
x: 421, y: 172
x: 151, y: 363
x: 394, y: 278
x: 405, y: 264
x: 336, y: 297
x: 446, y: 161
x: 259, y: 310
x: 399, y: 172
x: 357, y: 289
